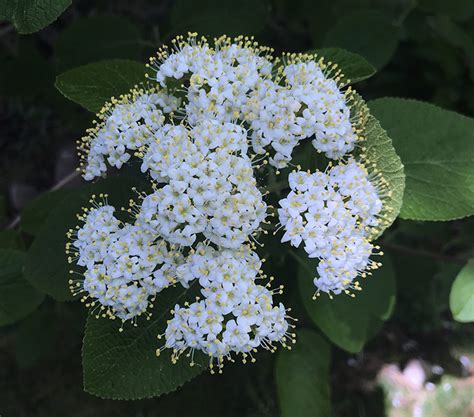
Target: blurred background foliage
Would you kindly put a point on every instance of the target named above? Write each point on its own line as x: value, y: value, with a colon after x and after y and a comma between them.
x: 420, y: 359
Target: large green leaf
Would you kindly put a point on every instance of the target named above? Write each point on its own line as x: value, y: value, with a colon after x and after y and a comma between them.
x: 349, y: 322
x: 29, y: 16
x: 369, y: 33
x: 354, y: 67
x: 93, y: 85
x: 97, y: 38
x: 302, y: 377
x: 17, y: 297
x: 46, y: 265
x: 437, y: 149
x: 461, y: 299
x: 124, y: 365
x: 217, y: 17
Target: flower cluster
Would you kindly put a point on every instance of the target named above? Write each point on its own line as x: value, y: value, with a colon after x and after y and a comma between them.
x: 332, y: 213
x: 281, y: 102
x: 208, y: 187
x: 236, y: 314
x: 125, y: 266
x: 125, y: 125
x: 209, y: 124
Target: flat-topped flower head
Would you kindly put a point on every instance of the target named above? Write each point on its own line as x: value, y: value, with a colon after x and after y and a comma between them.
x: 211, y: 122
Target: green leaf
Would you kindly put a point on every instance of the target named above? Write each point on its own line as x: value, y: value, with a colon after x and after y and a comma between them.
x: 37, y: 211
x: 124, y: 365
x: 369, y: 33
x: 46, y: 265
x: 457, y: 9
x: 16, y: 77
x: 97, y: 38
x: 17, y: 297
x: 217, y: 17
x: 349, y: 322
x: 302, y: 377
x: 29, y: 16
x: 93, y: 85
x: 35, y: 337
x: 381, y: 156
x: 354, y: 67
x: 437, y: 149
x: 461, y: 299
x: 11, y: 239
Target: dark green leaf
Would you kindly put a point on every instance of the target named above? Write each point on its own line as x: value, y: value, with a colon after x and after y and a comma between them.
x: 17, y: 297
x: 37, y: 211
x: 461, y: 299
x: 369, y: 33
x: 217, y: 17
x: 354, y: 67
x: 97, y: 38
x: 124, y: 365
x: 302, y: 377
x: 437, y: 149
x: 93, y: 85
x: 11, y: 239
x: 46, y: 265
x: 457, y: 9
x: 35, y: 337
x: 16, y: 77
x: 349, y: 322
x: 29, y: 16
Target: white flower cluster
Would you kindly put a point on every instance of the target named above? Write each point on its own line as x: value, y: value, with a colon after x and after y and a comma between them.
x: 202, y: 125
x: 126, y: 124
x: 332, y: 213
x: 125, y: 266
x: 282, y: 103
x: 236, y: 315
x: 209, y: 185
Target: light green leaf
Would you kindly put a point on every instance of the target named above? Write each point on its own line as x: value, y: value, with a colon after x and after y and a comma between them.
x: 97, y: 38
x: 437, y: 149
x: 46, y: 265
x: 349, y: 322
x: 354, y: 67
x: 217, y: 17
x: 93, y: 85
x: 124, y: 365
x: 29, y: 16
x: 369, y: 33
x: 17, y: 297
x: 461, y: 299
x: 302, y: 377
x: 380, y: 157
